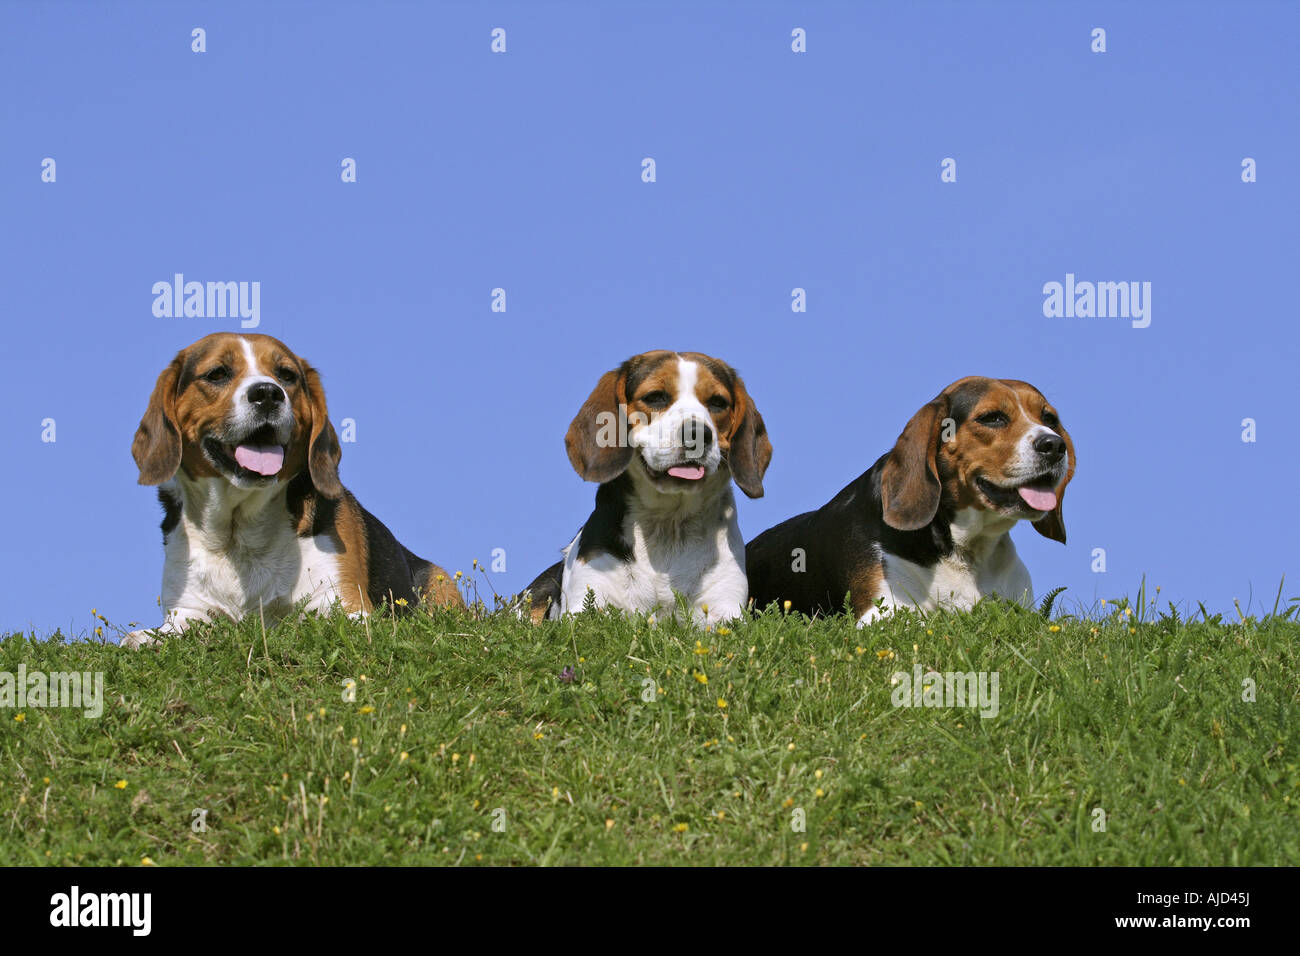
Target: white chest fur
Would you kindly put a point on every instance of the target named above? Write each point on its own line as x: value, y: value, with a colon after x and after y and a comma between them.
x: 983, y: 563
x: 235, y: 551
x: 699, y: 555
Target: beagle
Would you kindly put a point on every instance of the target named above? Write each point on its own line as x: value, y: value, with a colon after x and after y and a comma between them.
x: 927, y: 525
x: 664, y: 434
x: 238, y: 440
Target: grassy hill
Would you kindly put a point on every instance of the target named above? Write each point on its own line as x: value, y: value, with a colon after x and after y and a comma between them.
x: 604, y: 739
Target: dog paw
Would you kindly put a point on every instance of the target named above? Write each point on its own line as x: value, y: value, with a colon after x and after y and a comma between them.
x: 138, y: 639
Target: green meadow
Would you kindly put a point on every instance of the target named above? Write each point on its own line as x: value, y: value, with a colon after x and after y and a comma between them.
x: 1121, y: 737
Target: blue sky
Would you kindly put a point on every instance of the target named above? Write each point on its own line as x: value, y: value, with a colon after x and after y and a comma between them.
x: 775, y: 170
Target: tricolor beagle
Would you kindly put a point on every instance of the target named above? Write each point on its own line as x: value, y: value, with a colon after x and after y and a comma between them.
x: 238, y: 439
x: 927, y: 525
x: 664, y: 434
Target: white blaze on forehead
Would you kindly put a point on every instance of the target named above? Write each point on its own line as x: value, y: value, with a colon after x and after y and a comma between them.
x: 1025, y: 452
x: 685, y: 405
x: 1037, y: 428
x: 250, y: 358
x: 1032, y: 434
x: 687, y: 374
x: 252, y: 371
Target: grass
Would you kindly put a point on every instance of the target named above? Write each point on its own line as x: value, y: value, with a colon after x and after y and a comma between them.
x: 465, y: 745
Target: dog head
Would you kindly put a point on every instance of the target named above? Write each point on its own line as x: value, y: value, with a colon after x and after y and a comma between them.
x: 679, y: 418
x: 995, y: 445
x: 243, y: 408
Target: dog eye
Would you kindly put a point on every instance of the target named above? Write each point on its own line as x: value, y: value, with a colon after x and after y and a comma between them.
x: 656, y: 399
x: 1050, y: 420
x: 218, y: 376
x: 286, y: 375
x: 717, y: 404
x: 994, y: 420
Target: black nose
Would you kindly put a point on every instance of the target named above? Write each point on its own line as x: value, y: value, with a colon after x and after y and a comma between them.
x: 265, y: 396
x: 696, y: 435
x: 1050, y: 446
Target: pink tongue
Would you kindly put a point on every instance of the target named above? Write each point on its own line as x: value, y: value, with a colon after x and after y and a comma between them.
x: 1038, y: 498
x: 263, y: 459
x: 689, y: 472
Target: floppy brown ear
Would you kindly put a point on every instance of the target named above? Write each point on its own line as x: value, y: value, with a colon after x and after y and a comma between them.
x: 751, y: 449
x: 323, y: 451
x: 156, y: 447
x: 1052, y: 525
x: 597, y: 438
x: 909, y: 482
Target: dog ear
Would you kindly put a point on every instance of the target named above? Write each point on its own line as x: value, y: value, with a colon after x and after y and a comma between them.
x: 156, y: 447
x: 323, y: 450
x: 909, y: 482
x: 597, y: 438
x: 1052, y: 525
x: 751, y: 449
